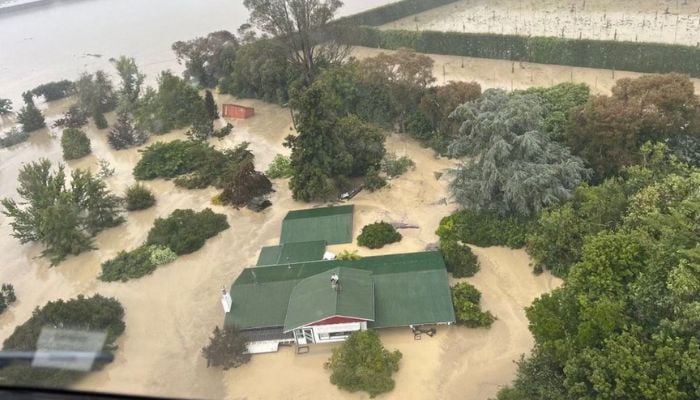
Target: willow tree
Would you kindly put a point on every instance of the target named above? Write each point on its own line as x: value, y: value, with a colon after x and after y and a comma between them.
x: 510, y: 165
x: 304, y: 28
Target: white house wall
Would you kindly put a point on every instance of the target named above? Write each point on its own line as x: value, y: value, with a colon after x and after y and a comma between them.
x: 325, y: 333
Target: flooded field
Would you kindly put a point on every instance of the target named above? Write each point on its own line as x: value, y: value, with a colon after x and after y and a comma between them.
x: 665, y: 21
x: 508, y: 75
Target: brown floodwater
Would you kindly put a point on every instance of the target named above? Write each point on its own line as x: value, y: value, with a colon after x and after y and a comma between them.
x: 60, y: 41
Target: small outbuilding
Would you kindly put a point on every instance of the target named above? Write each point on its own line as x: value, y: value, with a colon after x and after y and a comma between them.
x: 237, y: 111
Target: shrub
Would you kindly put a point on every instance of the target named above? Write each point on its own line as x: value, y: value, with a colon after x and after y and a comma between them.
x: 128, y: 265
x: 394, y: 167
x: 135, y: 264
x: 196, y: 165
x: 54, y: 90
x: 460, y: 260
x: 100, y: 120
x: 5, y: 106
x: 73, y: 118
x: 12, y: 137
x: 373, y: 181
x: 7, y: 296
x: 377, y: 235
x: 95, y: 314
x: 362, y: 363
x: 347, y: 255
x: 279, y: 168
x: 465, y: 299
x: 484, y: 229
x: 223, y: 132
x: 75, y: 144
x: 161, y: 255
x: 226, y: 349
x: 186, y: 231
x: 138, y: 197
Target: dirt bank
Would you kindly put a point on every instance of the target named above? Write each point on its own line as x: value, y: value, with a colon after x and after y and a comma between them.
x: 661, y: 21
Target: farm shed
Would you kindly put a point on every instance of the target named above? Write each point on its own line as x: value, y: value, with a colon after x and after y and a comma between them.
x: 237, y: 111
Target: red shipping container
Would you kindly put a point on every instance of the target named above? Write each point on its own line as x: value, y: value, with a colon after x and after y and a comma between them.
x: 237, y: 111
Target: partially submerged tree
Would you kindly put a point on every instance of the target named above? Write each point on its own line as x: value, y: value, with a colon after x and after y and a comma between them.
x: 29, y: 116
x: 96, y: 96
x: 226, y: 349
x: 303, y: 26
x: 378, y: 235
x: 207, y: 59
x: 89, y: 314
x: 75, y: 144
x: 175, y: 105
x: 64, y: 219
x: 138, y: 197
x: 73, y: 118
x: 5, y: 106
x: 124, y: 134
x: 465, y: 299
x: 210, y: 105
x: 243, y: 184
x: 54, y: 90
x: 514, y: 168
x: 131, y: 82
x: 362, y: 363
x: 7, y: 296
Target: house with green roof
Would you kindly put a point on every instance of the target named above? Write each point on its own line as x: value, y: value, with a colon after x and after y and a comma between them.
x: 297, y: 295
x: 325, y: 301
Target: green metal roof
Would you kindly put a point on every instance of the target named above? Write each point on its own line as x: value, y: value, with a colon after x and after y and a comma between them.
x: 332, y: 224
x: 408, y: 289
x: 314, y: 299
x: 292, y: 253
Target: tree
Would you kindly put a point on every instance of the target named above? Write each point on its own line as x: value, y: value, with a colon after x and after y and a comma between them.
x: 378, y: 235
x: 303, y: 27
x: 280, y: 167
x: 465, y: 299
x: 12, y: 137
x: 96, y: 96
x: 29, y: 116
x: 186, y: 231
x: 175, y: 105
x: 211, y: 106
x: 558, y: 101
x: 73, y: 118
x: 226, y: 349
x: 394, y: 166
x: 207, y: 59
x: 244, y: 184
x: 124, y: 134
x: 5, y: 106
x: 608, y: 130
x: 90, y: 314
x: 63, y: 219
x: 459, y: 259
x: 362, y: 363
x: 514, y: 168
x: 137, y: 263
x: 405, y: 75
x: 261, y: 71
x: 75, y: 144
x: 7, y: 296
x: 202, y: 126
x: 329, y: 148
x: 132, y: 81
x: 138, y: 197
x: 54, y: 90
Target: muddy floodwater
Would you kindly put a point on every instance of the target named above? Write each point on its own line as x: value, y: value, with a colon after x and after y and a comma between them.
x: 170, y: 314
x: 61, y: 41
